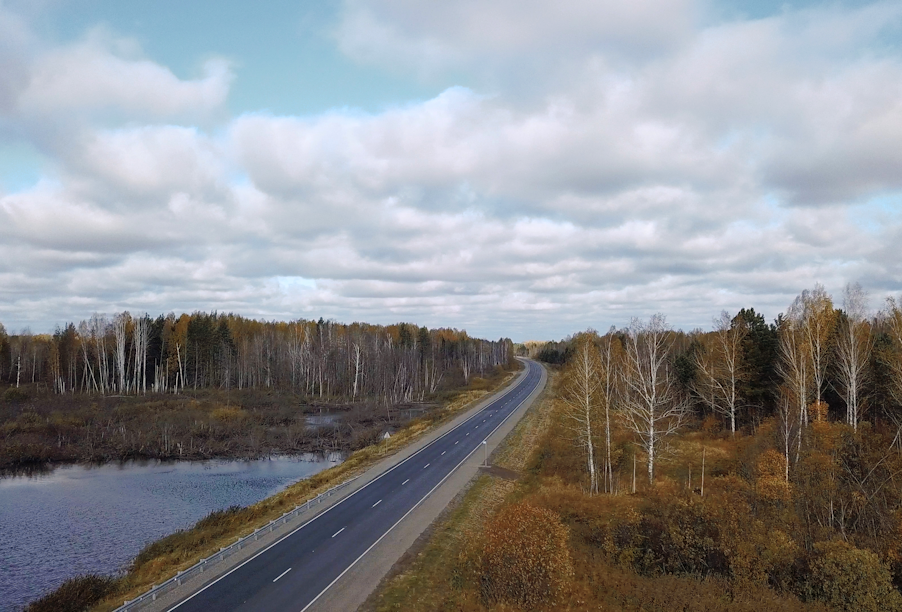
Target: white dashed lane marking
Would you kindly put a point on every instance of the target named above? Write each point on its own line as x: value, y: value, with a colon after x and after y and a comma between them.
x: 283, y: 573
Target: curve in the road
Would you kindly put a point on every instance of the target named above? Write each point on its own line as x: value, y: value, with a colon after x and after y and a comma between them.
x: 291, y: 574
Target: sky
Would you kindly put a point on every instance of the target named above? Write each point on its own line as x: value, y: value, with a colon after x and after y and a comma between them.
x: 516, y: 168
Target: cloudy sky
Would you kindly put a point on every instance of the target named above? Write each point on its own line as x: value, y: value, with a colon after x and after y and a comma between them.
x: 513, y: 167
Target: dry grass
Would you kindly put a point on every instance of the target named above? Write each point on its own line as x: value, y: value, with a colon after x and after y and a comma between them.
x: 514, y: 454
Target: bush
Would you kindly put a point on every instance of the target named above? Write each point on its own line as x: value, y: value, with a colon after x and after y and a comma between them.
x: 848, y: 578
x: 676, y: 535
x: 771, y: 483
x: 526, y: 558
x: 74, y: 595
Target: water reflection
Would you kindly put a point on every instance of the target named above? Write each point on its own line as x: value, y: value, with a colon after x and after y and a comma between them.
x: 94, y: 519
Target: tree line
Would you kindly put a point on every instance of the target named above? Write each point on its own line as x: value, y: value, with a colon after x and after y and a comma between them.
x: 815, y: 363
x: 126, y: 354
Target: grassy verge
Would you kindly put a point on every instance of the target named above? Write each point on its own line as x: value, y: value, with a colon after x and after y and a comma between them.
x: 179, y: 551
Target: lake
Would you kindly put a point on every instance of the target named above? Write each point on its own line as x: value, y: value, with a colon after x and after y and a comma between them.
x: 79, y: 519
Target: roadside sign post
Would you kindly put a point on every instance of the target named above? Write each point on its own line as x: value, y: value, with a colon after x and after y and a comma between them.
x: 485, y: 448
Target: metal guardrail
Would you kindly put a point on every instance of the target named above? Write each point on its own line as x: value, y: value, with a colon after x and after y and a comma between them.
x: 228, y: 551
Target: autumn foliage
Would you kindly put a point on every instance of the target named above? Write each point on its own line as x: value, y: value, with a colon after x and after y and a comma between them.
x: 525, y: 558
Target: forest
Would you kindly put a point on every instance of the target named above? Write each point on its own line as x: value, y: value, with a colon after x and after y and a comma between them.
x: 220, y: 385
x: 752, y: 465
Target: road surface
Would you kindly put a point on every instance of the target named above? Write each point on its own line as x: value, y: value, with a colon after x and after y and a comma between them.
x: 293, y: 573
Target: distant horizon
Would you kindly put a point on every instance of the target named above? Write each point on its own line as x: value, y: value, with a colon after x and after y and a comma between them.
x: 515, y: 169
x: 600, y: 329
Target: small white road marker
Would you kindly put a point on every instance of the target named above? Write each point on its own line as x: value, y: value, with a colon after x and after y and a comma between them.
x: 377, y: 503
x: 443, y: 452
x: 405, y: 482
x: 282, y: 574
x: 337, y: 532
x: 426, y: 466
x: 468, y: 433
x: 457, y: 441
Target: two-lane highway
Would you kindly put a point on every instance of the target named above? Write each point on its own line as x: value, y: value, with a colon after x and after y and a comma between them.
x: 294, y: 572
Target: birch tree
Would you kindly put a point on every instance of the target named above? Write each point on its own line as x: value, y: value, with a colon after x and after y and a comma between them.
x: 893, y: 319
x: 581, y: 390
x: 720, y: 368
x: 818, y: 323
x: 794, y: 368
x: 140, y: 340
x: 98, y: 326
x: 853, y: 352
x: 4, y: 351
x: 120, y: 329
x: 795, y: 362
x: 789, y: 420
x: 611, y: 358
x: 651, y: 406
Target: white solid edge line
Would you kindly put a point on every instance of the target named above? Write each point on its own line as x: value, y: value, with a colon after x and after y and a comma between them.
x: 415, y: 506
x: 282, y: 574
x: 524, y: 376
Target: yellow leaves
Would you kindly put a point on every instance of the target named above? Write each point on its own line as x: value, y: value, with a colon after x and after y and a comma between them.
x: 852, y: 579
x: 771, y: 483
x: 818, y: 411
x: 526, y: 558
x: 771, y: 464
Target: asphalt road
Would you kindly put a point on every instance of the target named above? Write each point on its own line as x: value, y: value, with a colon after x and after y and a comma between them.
x: 294, y: 572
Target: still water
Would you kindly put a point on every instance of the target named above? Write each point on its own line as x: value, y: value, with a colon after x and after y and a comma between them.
x: 78, y: 520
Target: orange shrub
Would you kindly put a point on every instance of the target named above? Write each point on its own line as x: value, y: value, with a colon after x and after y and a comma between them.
x: 525, y: 559
x: 771, y: 483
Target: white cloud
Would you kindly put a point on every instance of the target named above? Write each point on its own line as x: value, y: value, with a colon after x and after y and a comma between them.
x: 674, y: 165
x: 506, y: 34
x: 95, y: 77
